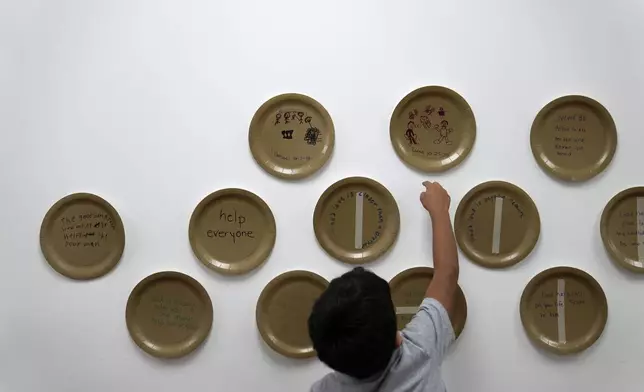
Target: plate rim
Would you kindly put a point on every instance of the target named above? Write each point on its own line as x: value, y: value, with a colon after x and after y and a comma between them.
x: 575, y: 175
x: 531, y: 286
x: 200, y: 335
x: 261, y: 322
x: 430, y: 167
x: 495, y: 262
x: 256, y: 259
x: 254, y: 137
x: 616, y: 256
x: 327, y: 244
x: 96, y: 271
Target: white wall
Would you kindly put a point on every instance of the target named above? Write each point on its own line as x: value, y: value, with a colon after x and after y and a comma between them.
x: 147, y: 103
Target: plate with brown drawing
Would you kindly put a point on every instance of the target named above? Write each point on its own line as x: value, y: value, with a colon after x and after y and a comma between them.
x: 622, y: 229
x: 283, y: 311
x: 82, y: 236
x: 408, y: 292
x: 563, y: 310
x: 497, y: 224
x: 573, y: 138
x: 356, y: 220
x: 232, y: 231
x: 433, y: 129
x: 168, y: 314
x: 291, y: 136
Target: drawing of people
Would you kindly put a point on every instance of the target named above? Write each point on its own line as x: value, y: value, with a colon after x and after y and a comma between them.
x: 287, y: 117
x: 277, y: 118
x: 429, y: 109
x: 441, y: 112
x: 426, y: 122
x: 300, y: 116
x: 410, y: 135
x: 443, y: 132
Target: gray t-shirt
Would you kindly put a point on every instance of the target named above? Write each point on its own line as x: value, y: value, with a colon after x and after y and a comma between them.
x: 415, y: 366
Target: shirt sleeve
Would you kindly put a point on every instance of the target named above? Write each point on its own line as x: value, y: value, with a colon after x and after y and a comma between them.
x: 431, y: 329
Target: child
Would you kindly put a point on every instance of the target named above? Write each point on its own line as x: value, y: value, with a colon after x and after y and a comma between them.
x: 353, y: 323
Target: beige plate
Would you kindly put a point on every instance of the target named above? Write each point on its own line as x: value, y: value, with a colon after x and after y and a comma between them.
x: 82, y: 236
x: 232, y: 231
x: 497, y: 224
x: 433, y: 129
x: 622, y: 228
x: 283, y: 311
x: 356, y: 220
x: 564, y: 310
x: 291, y: 136
x: 168, y: 314
x: 573, y: 138
x: 408, y: 291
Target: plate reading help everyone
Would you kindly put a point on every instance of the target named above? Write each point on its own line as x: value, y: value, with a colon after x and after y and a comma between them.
x: 497, y: 224
x: 356, y: 220
x: 408, y: 292
x: 433, y: 129
x: 291, y: 136
x: 564, y: 310
x: 232, y: 231
x: 573, y: 138
x: 622, y: 229
x: 82, y: 236
x: 168, y: 314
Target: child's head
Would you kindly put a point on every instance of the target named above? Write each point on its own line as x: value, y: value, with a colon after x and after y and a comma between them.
x: 353, y: 324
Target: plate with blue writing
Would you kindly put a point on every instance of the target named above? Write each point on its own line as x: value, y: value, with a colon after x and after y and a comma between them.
x: 573, y: 138
x: 356, y: 220
x: 433, y: 129
x: 497, y: 224
x: 291, y: 136
x: 82, y: 236
x: 563, y: 310
x: 168, y: 314
x: 232, y: 231
x: 622, y: 229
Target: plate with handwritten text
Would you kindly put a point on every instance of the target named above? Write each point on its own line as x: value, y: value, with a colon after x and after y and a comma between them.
x: 168, y: 314
x: 356, y: 220
x: 283, y: 310
x: 408, y: 290
x: 433, y: 129
x: 563, y: 310
x: 622, y: 229
x: 497, y: 224
x: 232, y: 231
x: 291, y: 136
x: 573, y: 138
x: 82, y: 236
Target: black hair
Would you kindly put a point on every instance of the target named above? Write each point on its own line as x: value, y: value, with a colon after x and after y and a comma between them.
x: 353, y: 324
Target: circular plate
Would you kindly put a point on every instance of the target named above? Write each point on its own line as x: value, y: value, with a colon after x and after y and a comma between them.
x: 408, y: 292
x: 433, y: 129
x: 168, y: 314
x: 82, y: 236
x: 573, y: 138
x: 291, y: 136
x: 564, y: 310
x: 356, y: 220
x: 283, y: 311
x: 232, y: 231
x: 497, y: 224
x: 622, y: 228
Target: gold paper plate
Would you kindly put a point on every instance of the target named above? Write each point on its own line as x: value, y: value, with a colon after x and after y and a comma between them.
x: 168, y: 314
x: 291, y: 136
x: 283, y: 311
x: 356, y: 220
x: 232, y: 231
x: 433, y: 129
x: 573, y: 138
x: 82, y: 236
x: 622, y: 229
x: 408, y: 292
x: 497, y: 224
x: 563, y: 310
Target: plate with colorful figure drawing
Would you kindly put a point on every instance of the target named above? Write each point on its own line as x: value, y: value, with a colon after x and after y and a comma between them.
x: 433, y: 129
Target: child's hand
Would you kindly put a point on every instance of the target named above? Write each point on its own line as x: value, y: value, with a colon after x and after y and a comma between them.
x: 435, y: 199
